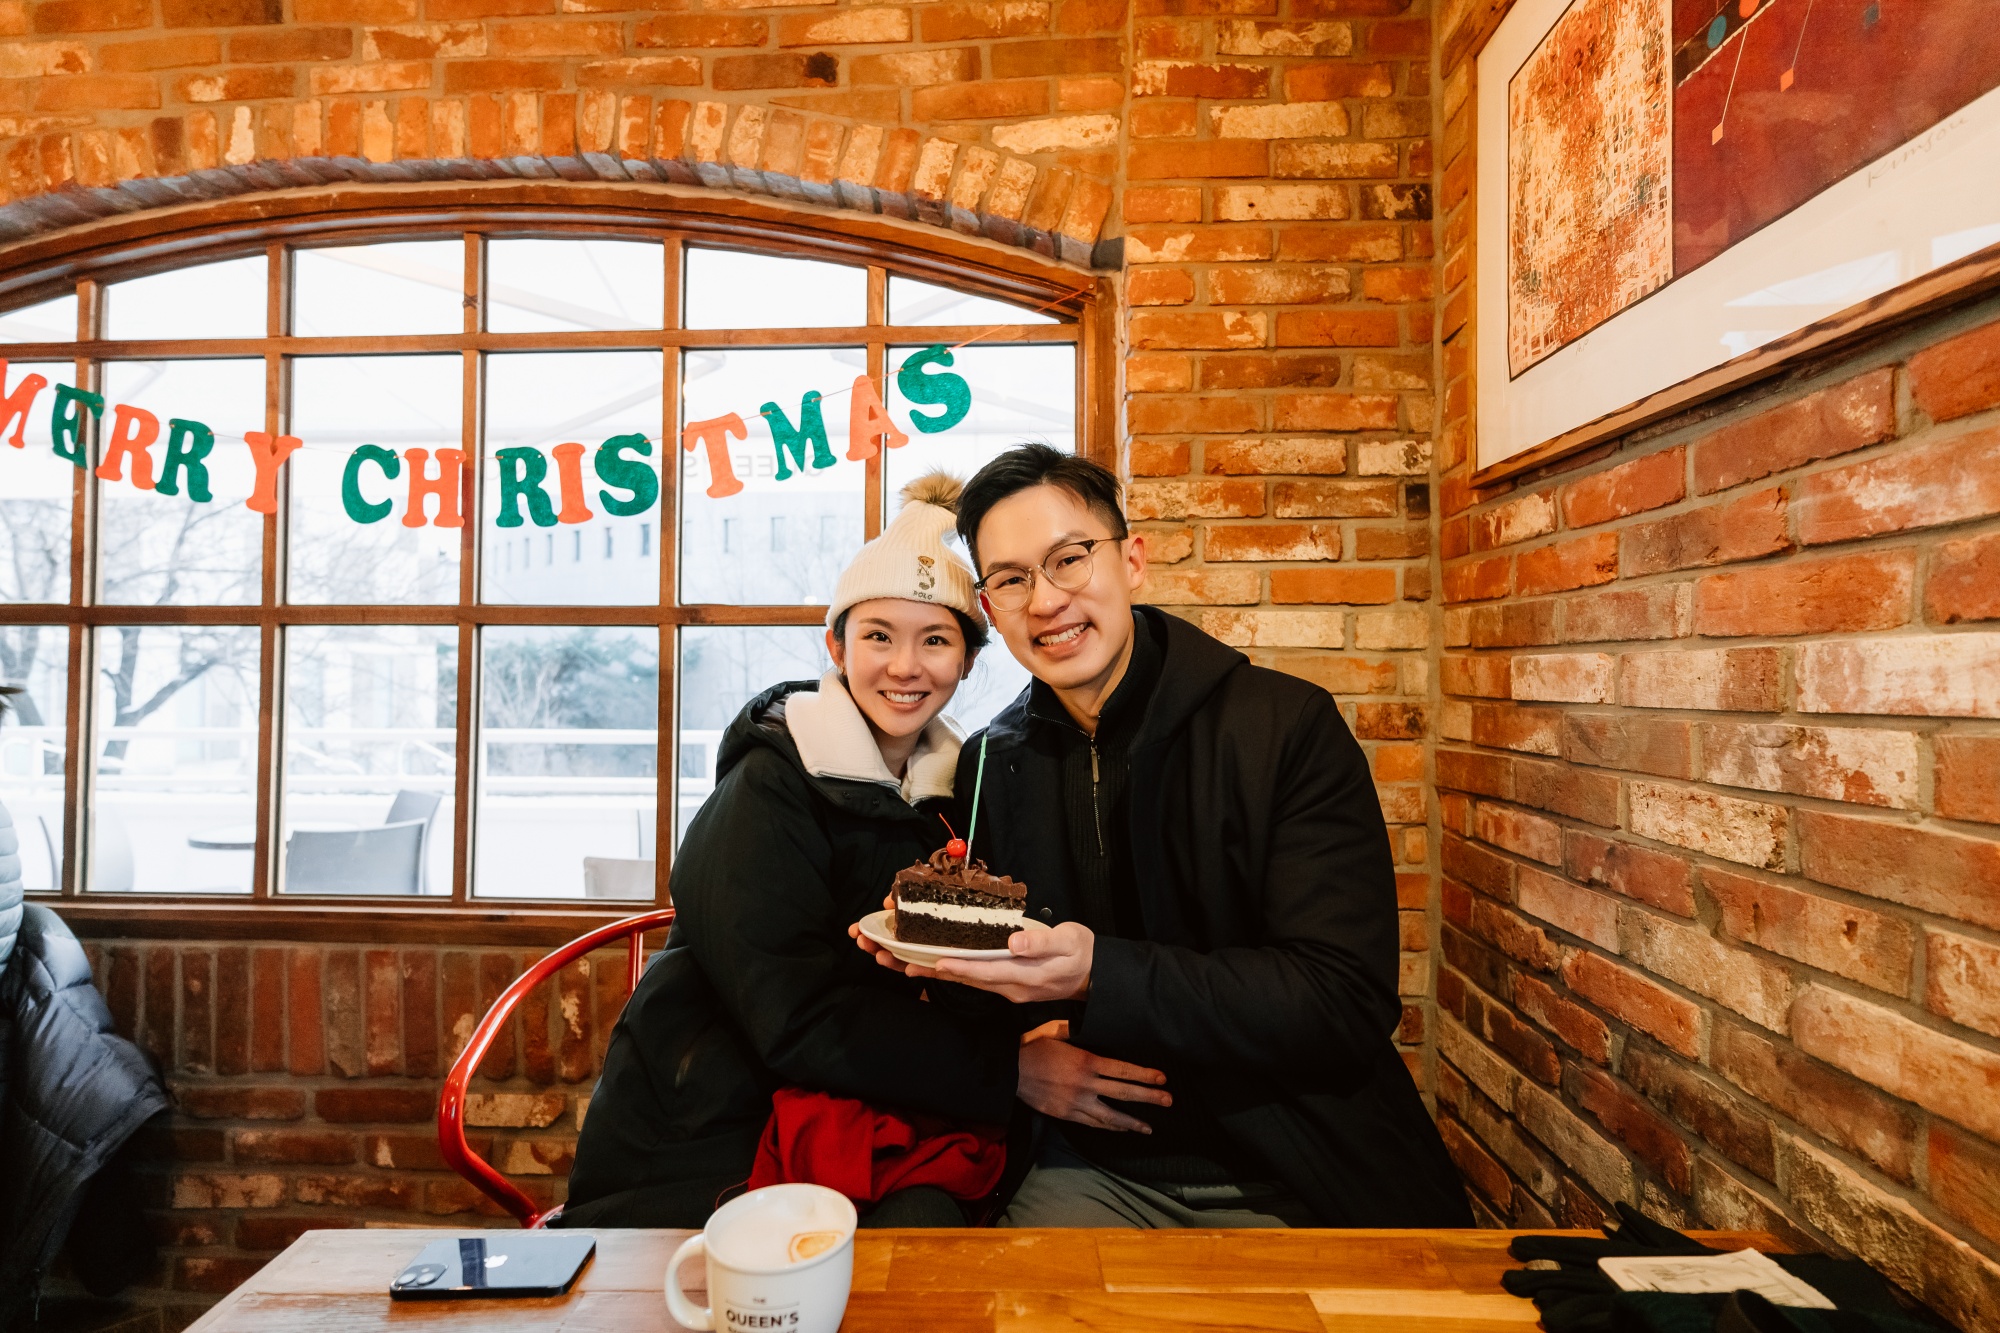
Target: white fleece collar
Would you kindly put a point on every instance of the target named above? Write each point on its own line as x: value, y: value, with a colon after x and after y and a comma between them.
x: 834, y: 742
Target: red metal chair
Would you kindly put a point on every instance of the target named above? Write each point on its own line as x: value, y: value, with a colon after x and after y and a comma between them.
x: 457, y: 1153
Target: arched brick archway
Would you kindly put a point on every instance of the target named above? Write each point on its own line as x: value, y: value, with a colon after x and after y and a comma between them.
x: 66, y: 177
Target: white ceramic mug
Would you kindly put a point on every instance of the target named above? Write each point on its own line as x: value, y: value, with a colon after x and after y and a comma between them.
x: 779, y: 1258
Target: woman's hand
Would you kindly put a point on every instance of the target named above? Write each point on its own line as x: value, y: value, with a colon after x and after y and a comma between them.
x: 882, y: 955
x: 1070, y: 1083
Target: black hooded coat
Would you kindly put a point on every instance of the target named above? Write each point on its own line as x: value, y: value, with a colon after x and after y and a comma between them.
x: 760, y: 987
x: 1266, y: 981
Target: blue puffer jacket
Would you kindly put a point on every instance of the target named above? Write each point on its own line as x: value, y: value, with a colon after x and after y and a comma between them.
x: 10, y: 885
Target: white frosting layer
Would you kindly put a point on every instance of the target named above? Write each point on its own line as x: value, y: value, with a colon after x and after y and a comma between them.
x: 978, y: 916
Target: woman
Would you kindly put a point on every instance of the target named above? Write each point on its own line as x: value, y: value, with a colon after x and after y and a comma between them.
x: 823, y: 792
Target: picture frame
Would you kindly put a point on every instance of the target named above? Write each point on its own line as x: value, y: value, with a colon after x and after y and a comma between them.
x: 1664, y: 233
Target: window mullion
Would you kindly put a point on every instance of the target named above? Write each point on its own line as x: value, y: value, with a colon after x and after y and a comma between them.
x: 264, y: 865
x: 82, y: 593
x: 667, y: 758
x: 871, y: 501
x: 471, y: 433
x: 878, y: 316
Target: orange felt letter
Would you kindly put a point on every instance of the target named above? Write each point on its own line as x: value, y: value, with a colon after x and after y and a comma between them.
x: 14, y: 408
x: 715, y: 435
x: 133, y: 430
x: 445, y: 486
x: 569, y: 480
x: 868, y: 424
x: 269, y: 454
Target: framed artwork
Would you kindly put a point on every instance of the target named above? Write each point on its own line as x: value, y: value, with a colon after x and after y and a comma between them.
x: 1678, y: 196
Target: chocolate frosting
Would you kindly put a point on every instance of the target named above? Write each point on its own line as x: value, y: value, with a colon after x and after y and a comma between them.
x: 952, y: 870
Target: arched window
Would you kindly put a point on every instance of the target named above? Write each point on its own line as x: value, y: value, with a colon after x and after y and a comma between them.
x: 301, y: 678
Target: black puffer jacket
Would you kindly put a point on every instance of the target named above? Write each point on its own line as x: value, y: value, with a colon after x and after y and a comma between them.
x: 759, y: 986
x: 73, y: 1091
x: 1265, y: 980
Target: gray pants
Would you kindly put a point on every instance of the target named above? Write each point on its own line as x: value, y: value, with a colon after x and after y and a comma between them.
x: 1065, y: 1190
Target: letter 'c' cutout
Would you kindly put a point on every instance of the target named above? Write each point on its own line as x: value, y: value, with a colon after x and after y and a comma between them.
x: 358, y: 506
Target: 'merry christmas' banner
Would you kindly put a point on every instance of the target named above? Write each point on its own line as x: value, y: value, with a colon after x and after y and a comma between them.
x: 925, y: 380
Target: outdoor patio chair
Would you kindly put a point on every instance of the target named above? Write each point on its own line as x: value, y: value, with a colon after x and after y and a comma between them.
x: 618, y: 877
x: 422, y: 805
x: 385, y: 859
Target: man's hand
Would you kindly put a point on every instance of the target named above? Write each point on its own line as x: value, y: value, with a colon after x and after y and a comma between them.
x: 1069, y: 1083
x: 1047, y: 965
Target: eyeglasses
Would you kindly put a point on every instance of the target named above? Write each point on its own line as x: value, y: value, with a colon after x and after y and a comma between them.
x: 1067, y: 567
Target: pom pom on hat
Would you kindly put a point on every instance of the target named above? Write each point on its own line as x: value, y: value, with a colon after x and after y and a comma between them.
x: 935, y: 488
x: 910, y: 560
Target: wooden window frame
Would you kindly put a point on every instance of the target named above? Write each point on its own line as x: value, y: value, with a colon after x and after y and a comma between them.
x: 86, y: 259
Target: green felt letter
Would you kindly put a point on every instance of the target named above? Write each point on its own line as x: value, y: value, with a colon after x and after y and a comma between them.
x: 614, y: 469
x: 945, y: 391
x: 522, y: 471
x: 188, y: 442
x: 812, y: 427
x: 358, y: 506
x: 66, y: 422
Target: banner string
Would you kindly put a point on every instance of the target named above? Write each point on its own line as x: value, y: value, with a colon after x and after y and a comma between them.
x: 982, y: 336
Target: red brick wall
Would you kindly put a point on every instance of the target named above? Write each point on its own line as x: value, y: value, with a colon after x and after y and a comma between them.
x: 1719, y: 768
x: 305, y: 1081
x: 1278, y: 276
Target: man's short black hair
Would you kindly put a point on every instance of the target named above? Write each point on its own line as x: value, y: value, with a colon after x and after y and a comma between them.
x: 1038, y: 465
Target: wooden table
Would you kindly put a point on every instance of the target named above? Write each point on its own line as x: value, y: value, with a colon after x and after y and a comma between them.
x: 975, y: 1281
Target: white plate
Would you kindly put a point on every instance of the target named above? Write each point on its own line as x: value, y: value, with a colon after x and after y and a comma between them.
x: 876, y: 927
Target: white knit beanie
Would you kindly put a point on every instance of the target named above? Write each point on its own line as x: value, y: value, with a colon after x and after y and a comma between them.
x: 910, y: 560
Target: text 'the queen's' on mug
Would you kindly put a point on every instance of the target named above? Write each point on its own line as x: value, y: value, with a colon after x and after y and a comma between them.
x: 779, y: 1258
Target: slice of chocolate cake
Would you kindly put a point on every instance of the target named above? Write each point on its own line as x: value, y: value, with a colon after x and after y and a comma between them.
x: 944, y: 901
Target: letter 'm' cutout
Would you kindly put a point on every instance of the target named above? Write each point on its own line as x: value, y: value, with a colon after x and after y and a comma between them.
x: 358, y: 506
x: 444, y: 486
x: 188, y: 442
x: 522, y: 470
x: 868, y: 423
x: 268, y: 453
x: 66, y: 422
x: 14, y: 408
x: 569, y: 484
x: 614, y: 469
x: 715, y: 435
x: 812, y: 429
x: 133, y: 430
x: 946, y: 391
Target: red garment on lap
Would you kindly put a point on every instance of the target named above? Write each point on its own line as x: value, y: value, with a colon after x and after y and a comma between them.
x: 867, y: 1153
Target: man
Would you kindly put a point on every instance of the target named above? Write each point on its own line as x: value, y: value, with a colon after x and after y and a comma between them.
x: 1204, y: 836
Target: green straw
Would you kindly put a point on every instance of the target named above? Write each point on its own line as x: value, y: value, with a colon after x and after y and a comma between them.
x: 978, y: 781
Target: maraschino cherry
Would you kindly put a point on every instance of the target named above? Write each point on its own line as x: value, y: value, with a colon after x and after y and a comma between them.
x: 955, y: 849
